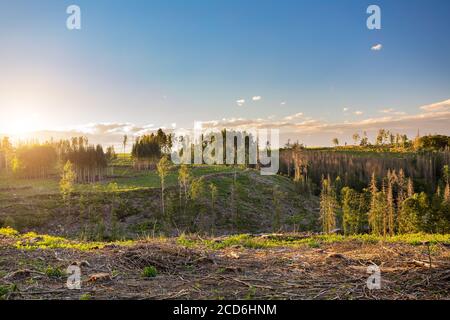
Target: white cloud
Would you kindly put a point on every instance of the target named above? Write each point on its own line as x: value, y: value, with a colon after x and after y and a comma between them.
x: 294, y: 116
x: 107, y: 128
x: 345, y: 109
x: 432, y: 118
x: 256, y: 98
x: 283, y: 103
x: 439, y: 106
x: 358, y: 113
x: 377, y: 47
x: 320, y: 130
x: 240, y: 102
x: 392, y: 111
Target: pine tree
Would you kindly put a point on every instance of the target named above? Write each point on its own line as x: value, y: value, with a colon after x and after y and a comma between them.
x: 352, y: 214
x: 447, y: 192
x: 234, y: 201
x: 197, y: 192
x: 385, y: 212
x: 356, y: 138
x: 390, y: 209
x: 373, y: 204
x: 213, y: 191
x: 124, y: 143
x: 410, y: 188
x: 401, y: 186
x: 444, y: 212
x: 163, y: 168
x: 408, y: 217
x: 434, y: 218
x: 183, y: 182
x: 66, y: 184
x: 378, y: 208
x: 335, y: 141
x: 7, y: 149
x: 328, y: 207
x: 446, y: 174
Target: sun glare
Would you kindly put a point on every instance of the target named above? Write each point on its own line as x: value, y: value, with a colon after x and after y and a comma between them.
x: 20, y: 116
x: 20, y: 126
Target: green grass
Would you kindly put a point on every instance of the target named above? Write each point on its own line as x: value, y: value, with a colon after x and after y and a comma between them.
x: 247, y: 241
x: 53, y: 272
x: 5, y: 290
x: 33, y: 241
x: 122, y: 160
x: 85, y: 296
x: 26, y: 187
x: 149, y: 272
x: 125, y: 176
x: 9, y: 232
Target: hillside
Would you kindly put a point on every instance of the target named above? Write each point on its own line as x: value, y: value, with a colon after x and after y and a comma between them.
x: 227, y: 233
x: 133, y: 198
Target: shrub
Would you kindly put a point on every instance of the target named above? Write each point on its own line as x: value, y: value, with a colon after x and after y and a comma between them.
x: 149, y: 272
x: 3, y: 292
x: 53, y: 272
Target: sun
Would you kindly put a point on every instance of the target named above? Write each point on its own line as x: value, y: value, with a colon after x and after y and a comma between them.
x: 19, y: 125
x: 21, y: 115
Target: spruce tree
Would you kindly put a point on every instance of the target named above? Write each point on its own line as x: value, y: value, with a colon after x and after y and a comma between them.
x: 410, y: 188
x: 390, y: 208
x: 66, y: 184
x: 328, y: 207
x: 163, y: 170
x: 183, y: 182
x: 351, y: 214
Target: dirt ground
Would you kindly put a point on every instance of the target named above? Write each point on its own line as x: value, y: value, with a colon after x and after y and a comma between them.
x: 333, y: 271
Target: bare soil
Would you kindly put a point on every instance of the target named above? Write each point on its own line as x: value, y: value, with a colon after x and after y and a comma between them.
x: 333, y: 271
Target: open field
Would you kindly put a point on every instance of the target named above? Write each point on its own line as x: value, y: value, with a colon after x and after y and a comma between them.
x: 125, y: 176
x: 281, y: 267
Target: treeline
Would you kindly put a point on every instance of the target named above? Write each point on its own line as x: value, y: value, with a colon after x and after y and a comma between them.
x: 421, y: 158
x: 147, y: 150
x: 389, y: 141
x: 30, y: 160
x: 90, y: 162
x: 386, y: 207
x: 355, y: 168
x: 6, y: 149
x: 34, y: 160
x: 41, y: 160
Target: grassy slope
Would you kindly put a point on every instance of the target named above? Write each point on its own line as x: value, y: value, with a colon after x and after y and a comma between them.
x: 34, y: 204
x: 125, y: 177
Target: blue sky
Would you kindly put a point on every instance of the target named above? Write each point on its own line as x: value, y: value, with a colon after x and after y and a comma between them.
x: 170, y: 61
